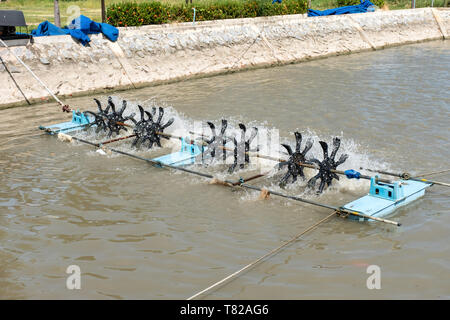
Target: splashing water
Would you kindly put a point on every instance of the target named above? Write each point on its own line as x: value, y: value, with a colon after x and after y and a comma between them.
x: 268, y: 141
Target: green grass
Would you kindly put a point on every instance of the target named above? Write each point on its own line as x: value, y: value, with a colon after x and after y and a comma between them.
x: 402, y: 4
x: 392, y: 4
x: 37, y: 11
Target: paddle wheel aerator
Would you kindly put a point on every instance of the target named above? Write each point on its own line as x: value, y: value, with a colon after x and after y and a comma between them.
x: 384, y: 197
x: 148, y: 132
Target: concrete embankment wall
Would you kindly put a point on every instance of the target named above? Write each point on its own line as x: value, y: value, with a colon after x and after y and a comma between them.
x: 156, y: 54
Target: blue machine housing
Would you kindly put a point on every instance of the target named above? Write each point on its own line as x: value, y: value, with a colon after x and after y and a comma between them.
x: 386, y: 191
x: 79, y: 120
x: 384, y: 198
x: 184, y: 157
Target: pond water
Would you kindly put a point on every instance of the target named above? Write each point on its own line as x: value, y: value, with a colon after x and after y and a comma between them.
x: 137, y: 231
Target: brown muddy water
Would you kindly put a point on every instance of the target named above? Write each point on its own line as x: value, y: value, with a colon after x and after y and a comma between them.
x: 141, y: 232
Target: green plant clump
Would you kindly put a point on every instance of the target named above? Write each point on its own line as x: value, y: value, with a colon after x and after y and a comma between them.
x: 342, y: 3
x: 154, y: 12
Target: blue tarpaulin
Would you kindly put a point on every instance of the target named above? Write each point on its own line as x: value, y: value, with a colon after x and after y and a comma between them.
x: 364, y: 6
x: 79, y: 28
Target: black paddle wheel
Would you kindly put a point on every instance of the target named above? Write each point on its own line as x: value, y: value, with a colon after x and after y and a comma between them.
x: 294, y: 168
x: 146, y: 129
x: 215, y: 147
x: 242, y: 148
x: 326, y: 165
x: 109, y: 120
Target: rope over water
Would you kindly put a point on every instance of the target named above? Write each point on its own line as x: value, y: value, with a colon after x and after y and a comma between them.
x: 252, y: 264
x: 433, y: 173
x: 407, y: 176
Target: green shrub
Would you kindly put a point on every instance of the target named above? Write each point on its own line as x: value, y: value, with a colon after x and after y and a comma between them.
x: 342, y: 3
x: 138, y: 14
